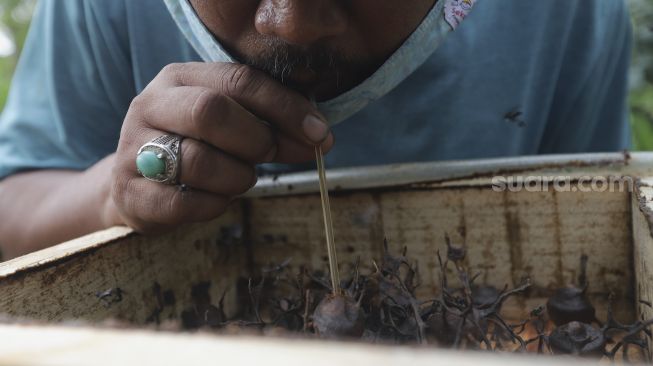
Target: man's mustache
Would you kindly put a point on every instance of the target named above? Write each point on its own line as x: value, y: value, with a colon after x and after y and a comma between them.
x: 280, y: 59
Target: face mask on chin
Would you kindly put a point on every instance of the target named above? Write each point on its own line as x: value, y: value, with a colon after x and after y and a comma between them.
x: 445, y: 16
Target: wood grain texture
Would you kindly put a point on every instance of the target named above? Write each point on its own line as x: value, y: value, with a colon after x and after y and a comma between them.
x: 63, y: 251
x: 509, y: 236
x: 66, y: 289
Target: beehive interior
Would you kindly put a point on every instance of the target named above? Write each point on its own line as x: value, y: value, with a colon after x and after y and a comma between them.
x: 508, y: 236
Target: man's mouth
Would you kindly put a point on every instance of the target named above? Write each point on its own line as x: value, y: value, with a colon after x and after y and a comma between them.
x: 318, y: 72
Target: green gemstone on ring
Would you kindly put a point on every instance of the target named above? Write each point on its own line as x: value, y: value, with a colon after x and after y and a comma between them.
x: 150, y: 165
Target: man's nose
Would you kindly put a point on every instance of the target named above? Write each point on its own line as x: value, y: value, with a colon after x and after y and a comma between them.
x: 301, y: 22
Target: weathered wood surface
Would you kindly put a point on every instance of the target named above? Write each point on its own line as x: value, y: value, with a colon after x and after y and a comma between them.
x: 31, y: 345
x: 452, y: 173
x: 67, y: 288
x: 63, y: 251
x: 509, y: 236
x: 642, y: 202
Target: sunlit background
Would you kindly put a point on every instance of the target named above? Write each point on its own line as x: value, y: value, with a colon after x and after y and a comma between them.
x: 15, y: 16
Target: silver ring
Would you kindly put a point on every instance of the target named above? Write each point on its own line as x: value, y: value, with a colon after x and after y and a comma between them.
x: 159, y: 160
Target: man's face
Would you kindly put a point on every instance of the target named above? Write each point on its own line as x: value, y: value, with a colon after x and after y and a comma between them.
x: 319, y: 47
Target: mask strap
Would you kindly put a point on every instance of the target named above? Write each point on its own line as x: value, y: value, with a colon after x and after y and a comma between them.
x: 196, y: 32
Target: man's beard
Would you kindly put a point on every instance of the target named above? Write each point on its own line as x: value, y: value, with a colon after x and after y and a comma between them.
x: 330, y: 66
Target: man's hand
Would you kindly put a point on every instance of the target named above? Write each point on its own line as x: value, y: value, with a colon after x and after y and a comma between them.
x: 232, y: 117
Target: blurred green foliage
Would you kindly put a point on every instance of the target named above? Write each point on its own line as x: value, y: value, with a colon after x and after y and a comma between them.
x: 14, y: 22
x: 15, y: 15
x: 641, y: 75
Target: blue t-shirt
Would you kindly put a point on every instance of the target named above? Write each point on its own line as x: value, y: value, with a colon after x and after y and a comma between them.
x: 516, y: 78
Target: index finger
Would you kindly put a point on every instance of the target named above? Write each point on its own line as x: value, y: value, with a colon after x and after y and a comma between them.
x: 284, y: 108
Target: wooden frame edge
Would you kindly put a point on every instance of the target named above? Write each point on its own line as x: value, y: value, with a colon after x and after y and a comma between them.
x: 64, y: 251
x: 46, y: 345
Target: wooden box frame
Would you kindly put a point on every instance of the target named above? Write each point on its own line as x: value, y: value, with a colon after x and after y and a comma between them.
x: 509, y: 235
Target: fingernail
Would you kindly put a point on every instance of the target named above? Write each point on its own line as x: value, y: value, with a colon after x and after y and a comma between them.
x: 315, y: 129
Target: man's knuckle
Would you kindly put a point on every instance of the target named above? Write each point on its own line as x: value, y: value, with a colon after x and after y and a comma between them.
x: 143, y: 111
x: 172, y: 71
x: 140, y: 104
x: 131, y: 139
x: 242, y: 80
x: 205, y: 105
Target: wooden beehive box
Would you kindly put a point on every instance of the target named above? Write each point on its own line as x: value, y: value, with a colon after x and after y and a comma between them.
x: 509, y: 236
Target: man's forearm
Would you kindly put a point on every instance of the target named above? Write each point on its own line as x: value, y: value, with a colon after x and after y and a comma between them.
x: 43, y: 208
